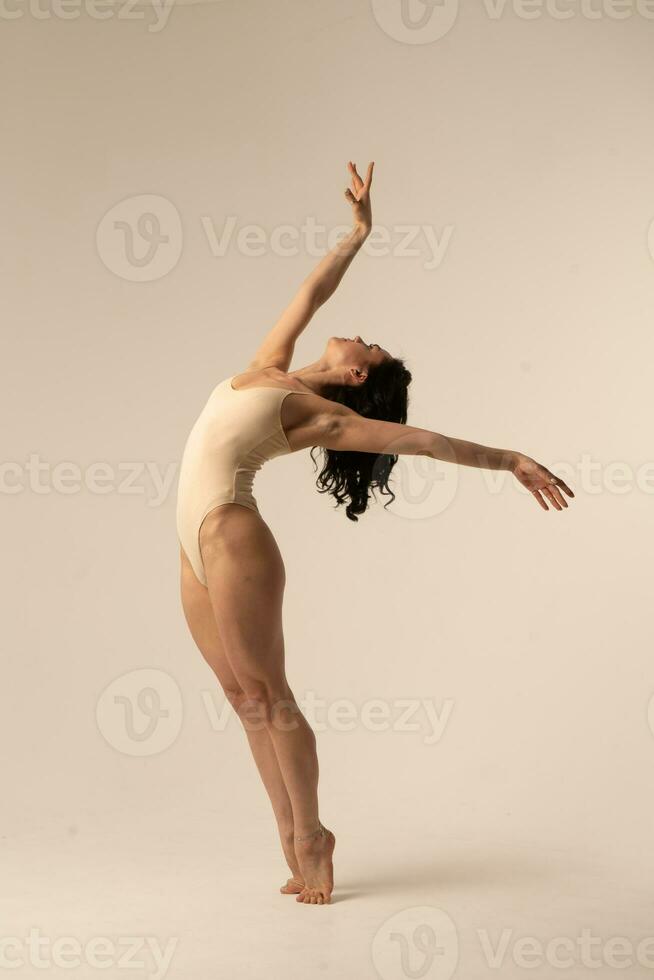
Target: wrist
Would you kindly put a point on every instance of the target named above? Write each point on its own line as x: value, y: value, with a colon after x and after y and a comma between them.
x: 513, y: 460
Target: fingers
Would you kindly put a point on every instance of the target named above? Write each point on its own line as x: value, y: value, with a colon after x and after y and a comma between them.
x: 556, y: 493
x: 546, y: 488
x: 554, y: 484
x: 555, y: 481
x: 549, y: 493
x: 564, y: 487
x: 350, y: 196
x: 357, y: 183
x: 552, y: 494
x: 537, y: 496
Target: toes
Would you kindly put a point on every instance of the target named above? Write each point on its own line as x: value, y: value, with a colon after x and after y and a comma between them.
x: 313, y: 897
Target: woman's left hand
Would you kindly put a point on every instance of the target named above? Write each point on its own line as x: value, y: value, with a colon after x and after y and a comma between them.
x: 542, y: 484
x: 359, y: 197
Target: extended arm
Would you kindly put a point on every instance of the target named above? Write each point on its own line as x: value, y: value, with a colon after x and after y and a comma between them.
x: 346, y: 430
x: 277, y: 347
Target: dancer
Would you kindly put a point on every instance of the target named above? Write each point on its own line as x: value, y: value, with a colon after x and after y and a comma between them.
x: 352, y: 404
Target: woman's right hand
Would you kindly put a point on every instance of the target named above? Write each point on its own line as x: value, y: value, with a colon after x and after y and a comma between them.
x: 359, y: 197
x: 541, y: 482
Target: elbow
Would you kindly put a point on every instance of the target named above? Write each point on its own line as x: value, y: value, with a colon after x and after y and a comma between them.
x: 430, y: 446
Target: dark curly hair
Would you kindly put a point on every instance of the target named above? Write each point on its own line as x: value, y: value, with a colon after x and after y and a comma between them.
x: 353, y: 477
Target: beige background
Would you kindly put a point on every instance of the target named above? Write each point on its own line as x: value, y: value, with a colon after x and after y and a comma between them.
x: 531, y: 141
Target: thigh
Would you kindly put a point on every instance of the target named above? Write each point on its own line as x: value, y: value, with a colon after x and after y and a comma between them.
x: 204, y: 629
x: 245, y: 579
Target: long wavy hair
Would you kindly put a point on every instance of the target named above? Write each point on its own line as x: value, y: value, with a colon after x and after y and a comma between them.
x: 353, y: 477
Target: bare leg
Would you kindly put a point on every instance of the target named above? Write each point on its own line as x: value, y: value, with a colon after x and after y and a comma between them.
x: 245, y: 575
x: 202, y: 624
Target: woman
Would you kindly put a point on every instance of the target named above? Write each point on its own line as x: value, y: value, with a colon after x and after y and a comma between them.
x: 352, y: 402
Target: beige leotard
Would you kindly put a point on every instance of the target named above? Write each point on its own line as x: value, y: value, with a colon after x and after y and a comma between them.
x: 237, y: 431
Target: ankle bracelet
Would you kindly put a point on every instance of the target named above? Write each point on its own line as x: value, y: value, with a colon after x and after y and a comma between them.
x: 320, y: 832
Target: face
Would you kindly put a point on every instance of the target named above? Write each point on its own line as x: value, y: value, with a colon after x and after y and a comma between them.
x: 355, y: 356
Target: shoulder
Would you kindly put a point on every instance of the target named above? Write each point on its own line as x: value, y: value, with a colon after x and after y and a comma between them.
x: 270, y: 376
x: 255, y: 376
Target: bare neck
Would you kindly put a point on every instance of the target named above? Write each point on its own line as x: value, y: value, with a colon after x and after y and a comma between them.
x: 318, y: 376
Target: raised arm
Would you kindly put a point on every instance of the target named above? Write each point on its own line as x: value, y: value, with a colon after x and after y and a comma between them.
x: 344, y: 429
x: 277, y: 347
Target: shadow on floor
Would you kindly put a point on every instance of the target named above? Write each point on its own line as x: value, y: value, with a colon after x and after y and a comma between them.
x: 455, y: 872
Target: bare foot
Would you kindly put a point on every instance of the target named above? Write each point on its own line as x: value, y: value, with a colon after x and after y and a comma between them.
x: 314, y: 855
x: 293, y: 886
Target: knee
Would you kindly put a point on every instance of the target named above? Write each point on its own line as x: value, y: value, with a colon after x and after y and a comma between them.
x: 266, y: 705
x: 251, y: 707
x: 234, y: 695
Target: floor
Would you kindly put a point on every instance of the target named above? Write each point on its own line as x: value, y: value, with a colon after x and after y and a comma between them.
x: 168, y: 896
